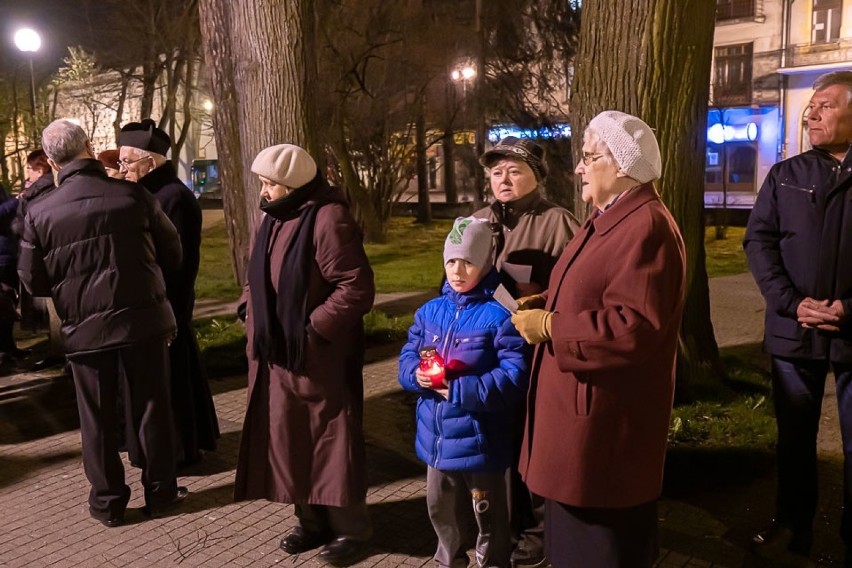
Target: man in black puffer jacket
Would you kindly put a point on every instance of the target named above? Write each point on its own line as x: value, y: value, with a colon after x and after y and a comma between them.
x: 100, y: 248
x: 142, y: 159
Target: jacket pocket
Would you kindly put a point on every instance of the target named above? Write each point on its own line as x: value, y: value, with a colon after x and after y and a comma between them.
x: 804, y: 190
x: 584, y: 398
x: 470, y: 343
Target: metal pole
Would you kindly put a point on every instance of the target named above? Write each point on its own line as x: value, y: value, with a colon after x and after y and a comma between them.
x: 32, y: 89
x: 479, y: 136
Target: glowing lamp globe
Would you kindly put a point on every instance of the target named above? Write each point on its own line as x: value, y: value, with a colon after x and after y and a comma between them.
x: 27, y: 40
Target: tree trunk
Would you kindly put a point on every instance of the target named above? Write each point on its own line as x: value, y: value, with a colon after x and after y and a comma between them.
x: 448, y: 145
x: 651, y: 58
x: 150, y: 73
x: 424, y: 206
x: 190, y: 83
x: 119, y: 107
x: 260, y: 57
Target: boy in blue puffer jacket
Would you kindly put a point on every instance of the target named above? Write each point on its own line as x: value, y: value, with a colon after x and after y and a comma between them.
x: 464, y: 426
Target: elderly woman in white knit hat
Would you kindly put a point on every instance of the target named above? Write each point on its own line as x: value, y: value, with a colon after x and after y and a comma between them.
x: 309, y: 285
x: 601, y: 393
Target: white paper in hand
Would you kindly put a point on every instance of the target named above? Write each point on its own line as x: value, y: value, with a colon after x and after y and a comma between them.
x: 505, y: 299
x: 521, y: 273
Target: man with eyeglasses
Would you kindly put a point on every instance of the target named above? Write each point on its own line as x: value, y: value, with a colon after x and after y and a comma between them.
x: 530, y: 233
x: 99, y: 247
x: 142, y: 159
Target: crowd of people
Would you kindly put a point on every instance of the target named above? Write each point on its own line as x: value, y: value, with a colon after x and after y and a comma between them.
x: 544, y: 371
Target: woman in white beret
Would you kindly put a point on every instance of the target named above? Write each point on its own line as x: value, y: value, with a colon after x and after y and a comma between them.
x: 309, y: 285
x: 601, y: 393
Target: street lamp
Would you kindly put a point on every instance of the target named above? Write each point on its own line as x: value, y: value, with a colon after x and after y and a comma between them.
x: 27, y: 40
x: 465, y: 72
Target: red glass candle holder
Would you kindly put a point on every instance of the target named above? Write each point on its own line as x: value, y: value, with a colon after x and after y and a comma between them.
x: 432, y: 365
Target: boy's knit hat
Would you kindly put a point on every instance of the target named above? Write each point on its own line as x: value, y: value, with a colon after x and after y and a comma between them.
x: 285, y: 164
x: 470, y: 239
x: 632, y: 143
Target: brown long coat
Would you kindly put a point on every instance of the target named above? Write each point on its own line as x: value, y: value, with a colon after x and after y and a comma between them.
x: 601, y: 391
x: 302, y: 438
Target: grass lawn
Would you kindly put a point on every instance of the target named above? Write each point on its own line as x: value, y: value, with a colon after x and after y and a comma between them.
x: 215, y: 276
x: 736, y: 413
x: 411, y: 260
x: 725, y: 256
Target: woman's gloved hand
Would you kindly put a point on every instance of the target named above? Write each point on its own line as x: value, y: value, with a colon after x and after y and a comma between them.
x: 536, y: 301
x: 533, y: 325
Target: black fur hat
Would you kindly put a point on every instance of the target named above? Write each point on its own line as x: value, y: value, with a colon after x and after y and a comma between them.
x: 146, y: 136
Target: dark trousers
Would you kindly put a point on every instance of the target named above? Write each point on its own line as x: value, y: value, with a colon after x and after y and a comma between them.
x: 526, y: 508
x: 140, y: 373
x: 352, y: 521
x: 798, y: 386
x: 600, y: 538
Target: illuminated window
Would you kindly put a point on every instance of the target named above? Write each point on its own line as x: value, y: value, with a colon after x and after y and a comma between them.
x: 826, y: 20
x: 730, y: 167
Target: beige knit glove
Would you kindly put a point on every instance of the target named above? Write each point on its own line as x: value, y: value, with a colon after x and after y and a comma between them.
x: 533, y: 325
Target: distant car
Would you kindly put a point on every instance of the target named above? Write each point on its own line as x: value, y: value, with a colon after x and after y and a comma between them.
x: 205, y: 179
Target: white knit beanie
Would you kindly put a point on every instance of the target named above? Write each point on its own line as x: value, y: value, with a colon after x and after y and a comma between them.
x: 632, y: 143
x: 285, y: 164
x: 470, y: 239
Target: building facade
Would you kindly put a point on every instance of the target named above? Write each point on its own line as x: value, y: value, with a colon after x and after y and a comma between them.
x: 766, y: 56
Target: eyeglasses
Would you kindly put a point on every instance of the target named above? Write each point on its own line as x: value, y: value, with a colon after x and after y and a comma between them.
x: 588, y: 158
x: 124, y: 162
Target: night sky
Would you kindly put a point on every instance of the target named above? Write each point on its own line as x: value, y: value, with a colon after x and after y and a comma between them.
x: 59, y: 22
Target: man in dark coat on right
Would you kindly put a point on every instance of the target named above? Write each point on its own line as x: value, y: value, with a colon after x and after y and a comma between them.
x: 100, y: 247
x: 799, y: 247
x: 142, y: 159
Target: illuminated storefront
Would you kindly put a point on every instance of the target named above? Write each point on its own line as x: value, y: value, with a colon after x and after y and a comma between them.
x: 742, y: 145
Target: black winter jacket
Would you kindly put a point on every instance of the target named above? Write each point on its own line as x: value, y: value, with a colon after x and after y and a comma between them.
x: 182, y: 208
x: 99, y: 247
x: 799, y: 244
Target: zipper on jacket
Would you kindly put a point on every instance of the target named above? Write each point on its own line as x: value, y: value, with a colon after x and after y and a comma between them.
x: 444, y: 351
x: 439, y: 408
x: 810, y: 192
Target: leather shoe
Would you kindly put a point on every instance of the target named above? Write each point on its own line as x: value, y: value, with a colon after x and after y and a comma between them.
x: 778, y: 536
x: 299, y: 540
x: 113, y: 522
x: 343, y: 551
x: 158, y: 511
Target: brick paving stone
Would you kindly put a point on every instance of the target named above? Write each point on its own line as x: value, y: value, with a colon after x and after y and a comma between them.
x: 45, y: 519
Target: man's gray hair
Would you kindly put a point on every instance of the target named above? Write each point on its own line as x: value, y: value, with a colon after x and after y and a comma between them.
x: 835, y: 78
x: 63, y: 141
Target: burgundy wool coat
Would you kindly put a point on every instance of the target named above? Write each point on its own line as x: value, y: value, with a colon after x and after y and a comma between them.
x: 302, y: 438
x: 601, y: 391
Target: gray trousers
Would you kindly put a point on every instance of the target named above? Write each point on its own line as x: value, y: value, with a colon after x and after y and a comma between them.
x: 352, y: 522
x: 449, y: 497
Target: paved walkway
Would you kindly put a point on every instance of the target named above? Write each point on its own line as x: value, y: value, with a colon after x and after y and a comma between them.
x: 43, y: 491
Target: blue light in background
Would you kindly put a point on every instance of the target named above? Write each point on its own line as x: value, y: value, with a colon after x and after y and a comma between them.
x: 557, y: 131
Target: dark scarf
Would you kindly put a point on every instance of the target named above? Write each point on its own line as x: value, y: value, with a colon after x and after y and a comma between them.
x: 280, y: 321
